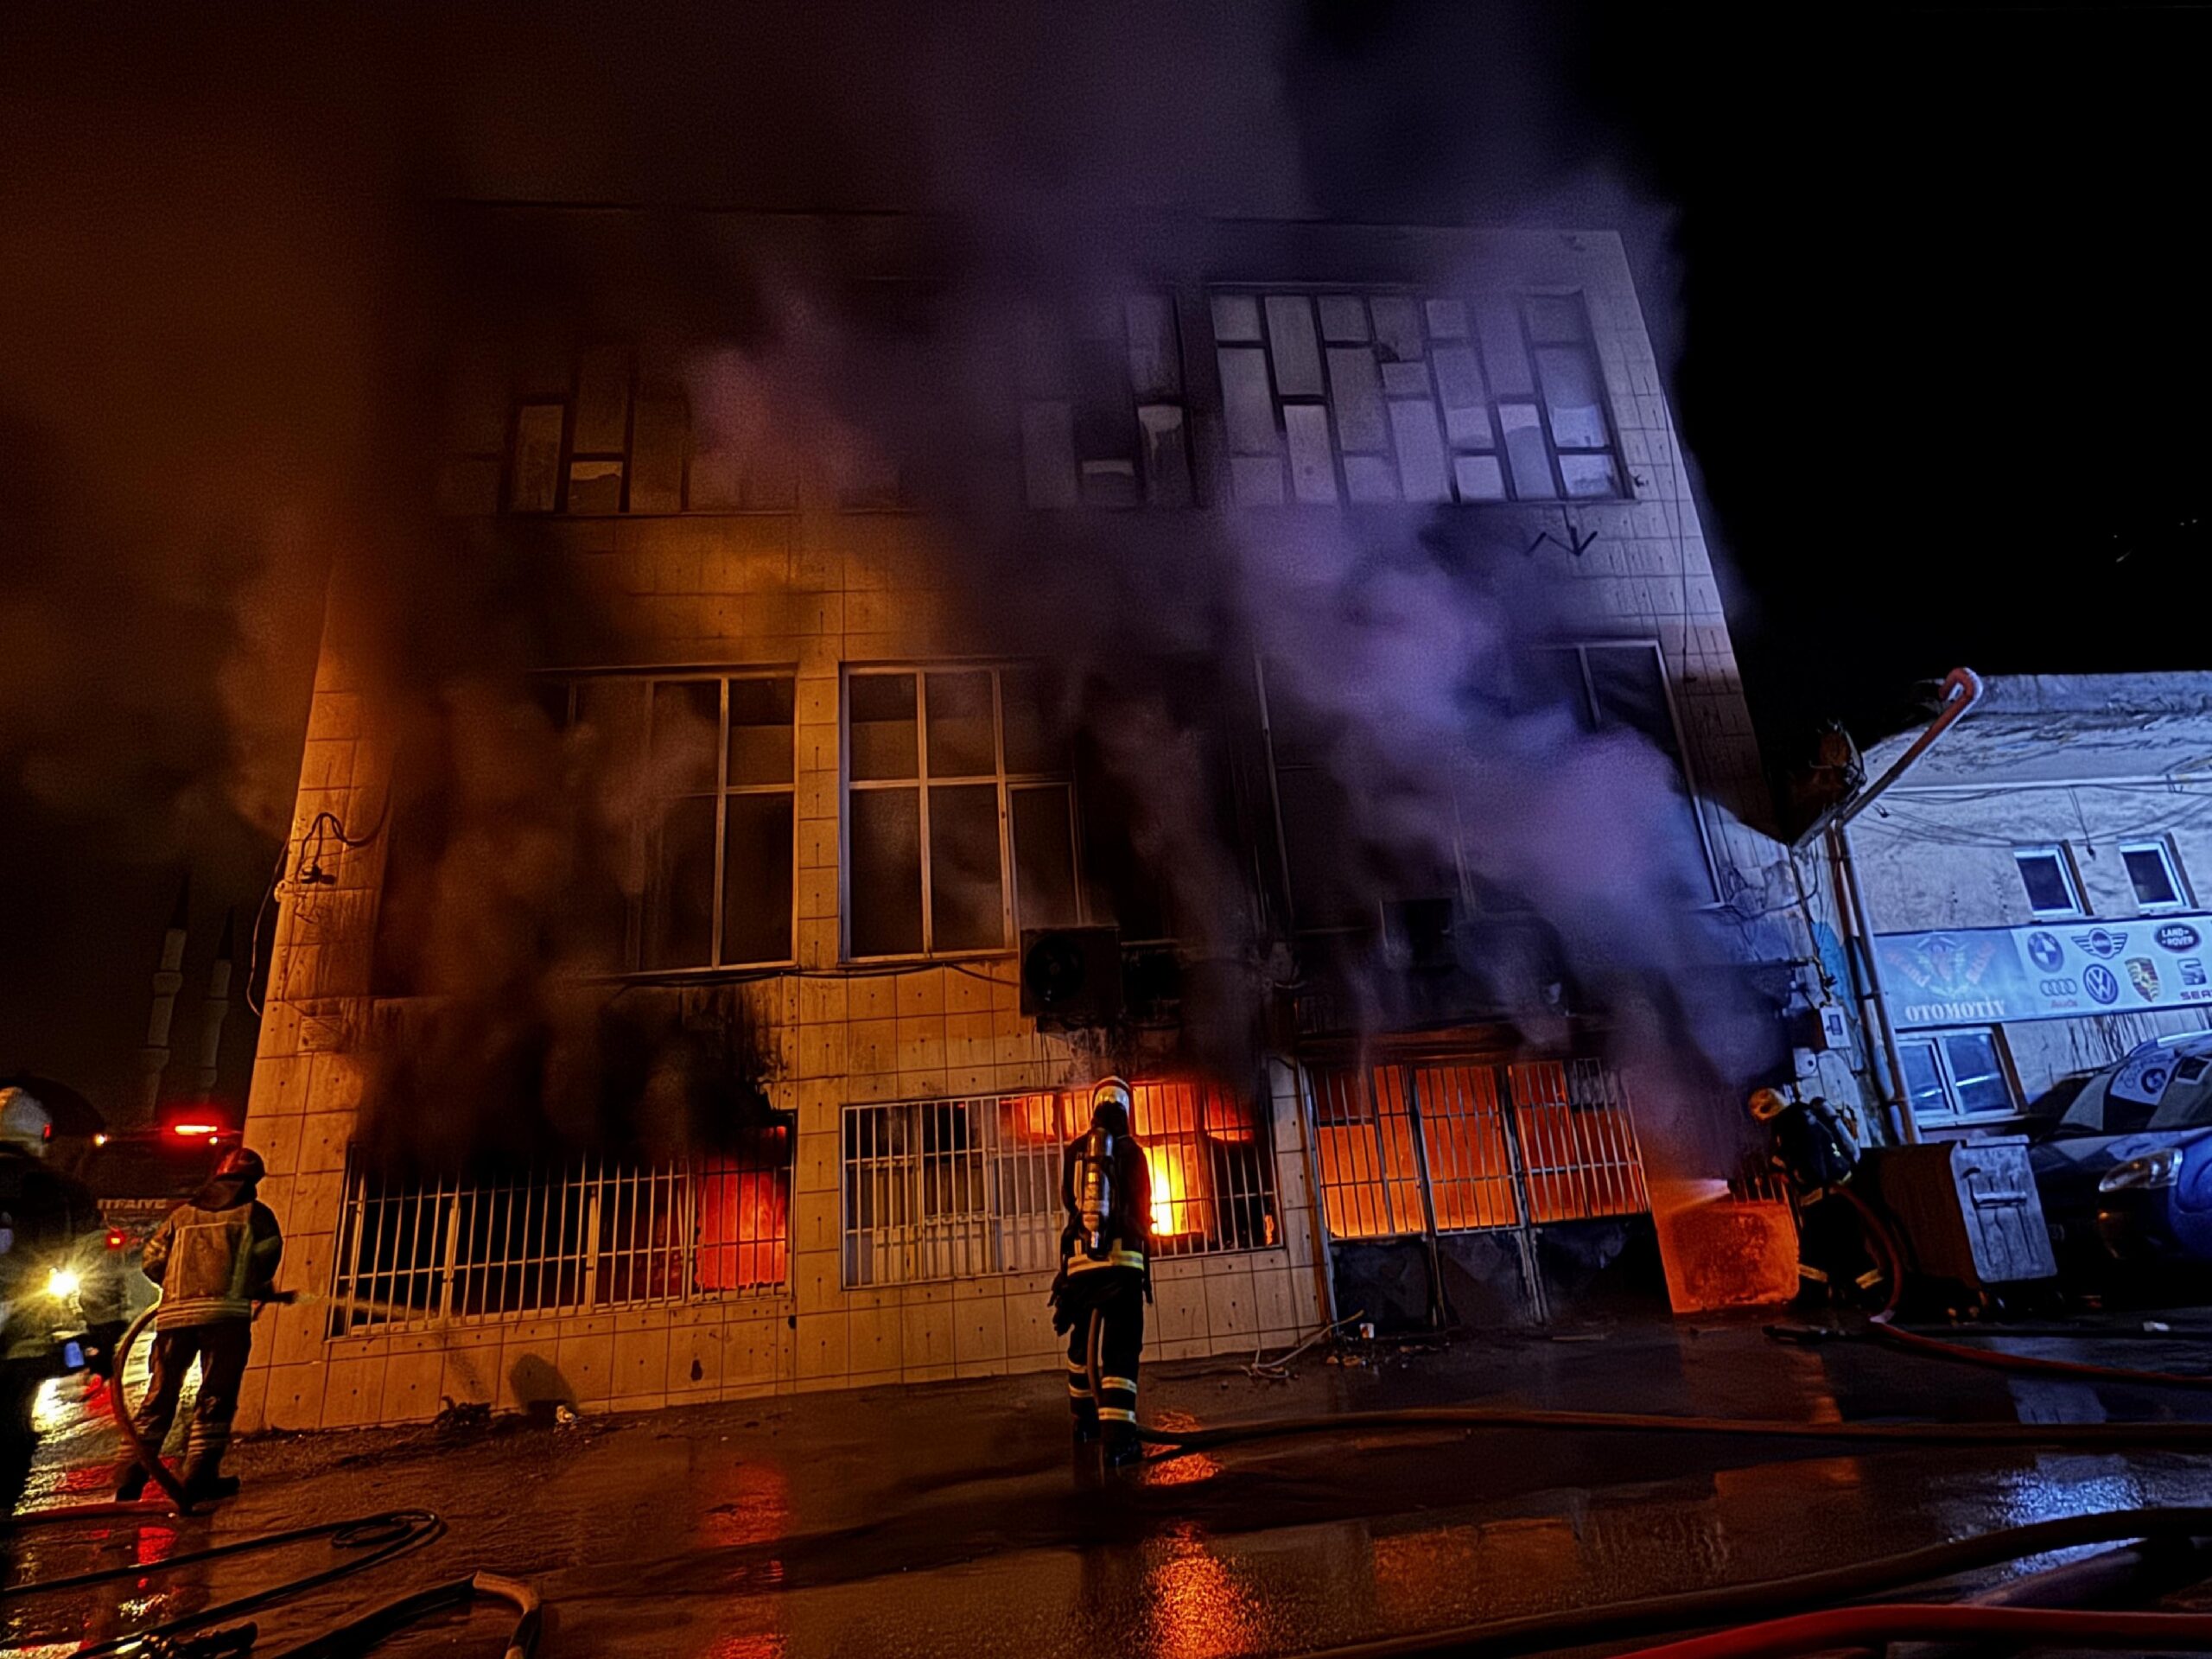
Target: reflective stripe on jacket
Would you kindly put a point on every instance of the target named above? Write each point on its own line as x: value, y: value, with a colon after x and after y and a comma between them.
x: 212, y: 1263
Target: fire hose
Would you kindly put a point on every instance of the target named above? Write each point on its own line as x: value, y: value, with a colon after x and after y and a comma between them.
x: 380, y: 1538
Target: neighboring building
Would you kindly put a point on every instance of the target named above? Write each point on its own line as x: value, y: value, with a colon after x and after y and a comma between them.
x: 849, y: 800
x: 2035, y: 887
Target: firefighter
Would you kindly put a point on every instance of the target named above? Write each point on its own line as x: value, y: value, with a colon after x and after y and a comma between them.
x: 214, y: 1257
x: 1105, y: 1278
x: 1817, y: 1149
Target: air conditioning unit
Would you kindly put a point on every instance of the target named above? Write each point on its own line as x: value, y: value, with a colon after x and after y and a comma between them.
x: 1071, y: 976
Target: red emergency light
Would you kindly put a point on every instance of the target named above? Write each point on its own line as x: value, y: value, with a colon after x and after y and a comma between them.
x: 190, y: 1131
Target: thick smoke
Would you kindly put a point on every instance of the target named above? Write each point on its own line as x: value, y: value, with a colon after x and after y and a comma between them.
x: 229, y: 385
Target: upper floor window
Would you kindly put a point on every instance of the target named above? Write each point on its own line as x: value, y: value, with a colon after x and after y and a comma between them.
x: 616, y: 442
x: 1383, y: 397
x: 1102, y: 417
x: 2155, y: 874
x: 2054, y: 890
x: 960, y: 824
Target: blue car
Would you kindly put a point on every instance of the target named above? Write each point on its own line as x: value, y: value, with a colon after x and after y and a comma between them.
x: 2126, y: 1176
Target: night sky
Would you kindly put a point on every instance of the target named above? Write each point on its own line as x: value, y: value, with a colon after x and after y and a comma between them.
x: 1940, y: 335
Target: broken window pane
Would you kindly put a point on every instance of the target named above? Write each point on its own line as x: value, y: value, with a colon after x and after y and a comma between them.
x: 657, y: 454
x: 1043, y: 857
x: 1572, y: 398
x: 1166, y: 456
x: 680, y: 896
x: 1420, y: 452
x: 961, y: 731
x: 594, y: 486
x: 1467, y: 406
x: 1397, y: 327
x: 965, y: 889
x: 1155, y: 360
x: 686, y: 730
x: 1235, y: 317
x: 1631, y: 691
x: 1048, y: 454
x: 1247, y: 404
x: 1297, y: 354
x: 1504, y: 352
x: 757, y: 854
x: 603, y: 402
x: 1356, y: 391
x: 1526, y: 453
x: 538, y: 458
x: 884, y: 885
x: 1313, y: 470
x: 1589, y: 475
x: 880, y: 726
x: 760, y: 732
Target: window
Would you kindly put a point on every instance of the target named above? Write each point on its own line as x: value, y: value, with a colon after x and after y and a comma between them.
x: 2048, y: 874
x: 1383, y: 397
x: 955, y: 1189
x: 959, y: 812
x: 2155, y: 873
x: 616, y: 442
x: 590, y: 1233
x: 693, y: 776
x: 1102, y: 416
x: 1956, y: 1075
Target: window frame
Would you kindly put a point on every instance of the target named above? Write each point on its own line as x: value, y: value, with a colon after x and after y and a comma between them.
x: 638, y: 922
x: 1507, y: 309
x: 1947, y: 1075
x: 2063, y: 852
x: 1005, y: 782
x: 2161, y: 847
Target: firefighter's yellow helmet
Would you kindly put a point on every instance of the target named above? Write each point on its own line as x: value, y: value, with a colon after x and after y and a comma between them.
x: 1767, y: 1104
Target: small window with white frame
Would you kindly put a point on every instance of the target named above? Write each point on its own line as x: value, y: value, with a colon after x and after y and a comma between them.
x: 1957, y: 1076
x: 2155, y: 873
x: 2054, y: 889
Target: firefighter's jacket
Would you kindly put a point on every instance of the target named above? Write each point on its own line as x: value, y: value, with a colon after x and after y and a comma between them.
x: 214, y: 1257
x: 1128, y: 1233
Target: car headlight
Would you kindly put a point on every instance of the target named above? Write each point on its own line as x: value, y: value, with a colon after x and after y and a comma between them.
x: 61, y: 1283
x: 2159, y: 1168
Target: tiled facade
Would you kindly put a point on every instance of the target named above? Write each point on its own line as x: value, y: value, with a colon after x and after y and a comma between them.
x: 813, y: 588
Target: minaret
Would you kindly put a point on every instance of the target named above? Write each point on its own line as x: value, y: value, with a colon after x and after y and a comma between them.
x: 214, y: 1011
x: 169, y: 980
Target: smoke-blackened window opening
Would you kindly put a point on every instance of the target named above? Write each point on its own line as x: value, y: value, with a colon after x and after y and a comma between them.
x: 693, y: 786
x: 401, y: 962
x: 1376, y: 397
x: 960, y: 824
x: 969, y: 1188
x: 581, y: 1235
x: 1104, y: 421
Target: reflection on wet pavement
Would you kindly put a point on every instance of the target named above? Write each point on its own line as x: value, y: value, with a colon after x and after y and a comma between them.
x: 949, y: 1520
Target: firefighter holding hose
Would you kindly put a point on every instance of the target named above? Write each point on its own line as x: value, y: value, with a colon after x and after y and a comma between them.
x: 1105, y: 1277
x: 214, y: 1258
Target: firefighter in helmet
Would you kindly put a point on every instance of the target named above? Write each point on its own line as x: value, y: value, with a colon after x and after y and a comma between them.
x: 1815, y: 1148
x: 214, y: 1258
x: 1105, y: 1277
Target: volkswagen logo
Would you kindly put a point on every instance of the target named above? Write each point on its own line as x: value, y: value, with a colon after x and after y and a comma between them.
x: 2101, y: 984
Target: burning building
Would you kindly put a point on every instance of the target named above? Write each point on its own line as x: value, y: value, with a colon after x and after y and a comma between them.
x: 842, y: 714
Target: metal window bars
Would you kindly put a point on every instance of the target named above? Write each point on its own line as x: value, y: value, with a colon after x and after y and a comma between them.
x: 967, y: 1188
x: 1406, y: 1148
x: 589, y: 1235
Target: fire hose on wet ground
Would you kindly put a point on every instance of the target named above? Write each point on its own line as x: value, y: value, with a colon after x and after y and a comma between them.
x: 377, y: 1538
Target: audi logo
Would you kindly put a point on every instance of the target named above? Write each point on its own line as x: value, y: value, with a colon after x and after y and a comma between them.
x: 2059, y: 986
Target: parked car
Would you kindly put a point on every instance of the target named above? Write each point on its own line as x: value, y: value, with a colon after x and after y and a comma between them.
x: 2126, y: 1175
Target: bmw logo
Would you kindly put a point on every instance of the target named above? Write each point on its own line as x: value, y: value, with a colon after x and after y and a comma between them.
x: 2046, y: 952
x: 2098, y: 981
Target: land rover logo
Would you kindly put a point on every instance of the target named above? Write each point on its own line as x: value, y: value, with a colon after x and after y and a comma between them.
x: 2045, y: 952
x: 2174, y: 936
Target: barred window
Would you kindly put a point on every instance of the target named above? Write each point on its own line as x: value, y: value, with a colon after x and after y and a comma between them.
x: 589, y: 1235
x: 957, y: 1189
x: 1383, y: 397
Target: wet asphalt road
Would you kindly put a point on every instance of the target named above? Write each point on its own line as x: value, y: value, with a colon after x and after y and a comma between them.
x: 950, y: 1518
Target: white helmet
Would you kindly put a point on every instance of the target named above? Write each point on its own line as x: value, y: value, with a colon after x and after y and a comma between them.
x: 24, y: 1122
